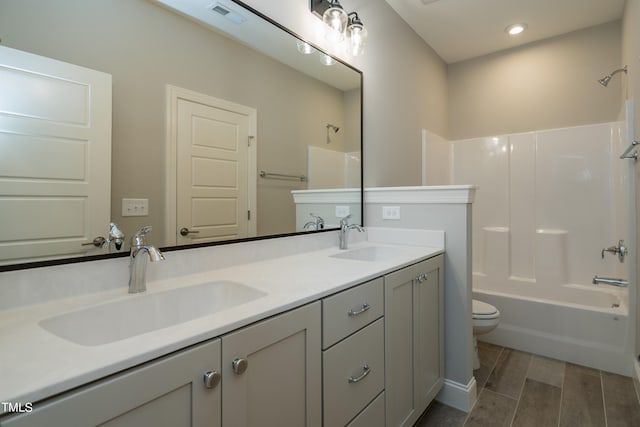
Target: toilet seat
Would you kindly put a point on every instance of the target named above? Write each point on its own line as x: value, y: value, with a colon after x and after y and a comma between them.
x: 483, y: 311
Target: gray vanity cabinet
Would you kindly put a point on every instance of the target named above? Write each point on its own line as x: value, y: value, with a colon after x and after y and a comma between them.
x: 271, y: 371
x: 414, y: 340
x: 168, y: 392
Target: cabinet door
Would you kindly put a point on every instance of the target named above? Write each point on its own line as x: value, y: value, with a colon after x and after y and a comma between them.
x: 272, y: 371
x: 428, y: 303
x: 413, y: 340
x: 170, y: 392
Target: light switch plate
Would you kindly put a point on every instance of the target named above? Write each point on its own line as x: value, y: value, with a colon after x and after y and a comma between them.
x: 391, y: 212
x: 135, y: 207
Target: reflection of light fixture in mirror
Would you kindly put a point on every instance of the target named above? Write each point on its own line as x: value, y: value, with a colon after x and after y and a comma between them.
x: 515, y: 29
x: 338, y: 23
x: 305, y: 48
x: 326, y: 59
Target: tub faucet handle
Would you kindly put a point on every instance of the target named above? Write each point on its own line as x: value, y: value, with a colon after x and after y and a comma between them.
x: 620, y: 249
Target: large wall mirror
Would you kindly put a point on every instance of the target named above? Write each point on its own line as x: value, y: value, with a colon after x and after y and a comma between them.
x: 223, y: 123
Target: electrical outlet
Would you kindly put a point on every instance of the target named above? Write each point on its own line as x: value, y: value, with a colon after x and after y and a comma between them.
x: 135, y: 207
x: 391, y: 212
x: 342, y: 211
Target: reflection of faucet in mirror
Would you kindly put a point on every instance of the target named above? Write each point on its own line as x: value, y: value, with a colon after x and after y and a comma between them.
x: 318, y: 224
x: 344, y: 231
x: 138, y: 262
x: 116, y: 236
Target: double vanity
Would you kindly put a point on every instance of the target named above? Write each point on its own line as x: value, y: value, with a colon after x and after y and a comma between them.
x: 301, y: 333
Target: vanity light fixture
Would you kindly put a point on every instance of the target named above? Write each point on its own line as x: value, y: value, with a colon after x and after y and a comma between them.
x: 357, y: 35
x: 339, y: 24
x: 515, y: 29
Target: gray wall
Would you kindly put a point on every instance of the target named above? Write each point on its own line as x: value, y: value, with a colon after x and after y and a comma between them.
x: 543, y: 85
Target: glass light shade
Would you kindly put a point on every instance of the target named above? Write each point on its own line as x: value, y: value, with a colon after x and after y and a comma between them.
x: 357, y: 39
x: 305, y: 48
x: 335, y: 19
x: 326, y: 60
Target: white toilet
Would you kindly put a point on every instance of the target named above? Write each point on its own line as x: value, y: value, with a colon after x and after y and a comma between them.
x: 485, y: 319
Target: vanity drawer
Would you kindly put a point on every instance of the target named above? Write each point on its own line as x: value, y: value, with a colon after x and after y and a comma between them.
x: 350, y: 310
x: 372, y: 416
x: 353, y: 373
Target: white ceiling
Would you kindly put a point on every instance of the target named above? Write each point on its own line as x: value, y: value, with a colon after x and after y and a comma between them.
x: 463, y: 29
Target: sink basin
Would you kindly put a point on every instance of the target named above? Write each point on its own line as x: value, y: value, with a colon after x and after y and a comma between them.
x: 371, y: 253
x: 141, y: 313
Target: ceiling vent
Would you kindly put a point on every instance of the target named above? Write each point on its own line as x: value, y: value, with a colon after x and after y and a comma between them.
x: 229, y: 14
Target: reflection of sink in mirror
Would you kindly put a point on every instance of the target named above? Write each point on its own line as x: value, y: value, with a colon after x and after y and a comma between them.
x: 141, y: 313
x: 367, y: 254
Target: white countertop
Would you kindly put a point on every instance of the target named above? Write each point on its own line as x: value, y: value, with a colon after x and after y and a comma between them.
x: 35, y: 364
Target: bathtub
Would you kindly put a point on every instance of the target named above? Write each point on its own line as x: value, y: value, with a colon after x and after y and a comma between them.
x: 582, y: 324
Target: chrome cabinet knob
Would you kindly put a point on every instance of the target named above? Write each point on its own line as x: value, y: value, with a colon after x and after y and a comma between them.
x: 239, y: 365
x: 211, y: 379
x: 421, y: 277
x: 184, y: 231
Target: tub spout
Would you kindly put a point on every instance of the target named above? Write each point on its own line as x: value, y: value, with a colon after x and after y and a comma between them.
x: 609, y: 281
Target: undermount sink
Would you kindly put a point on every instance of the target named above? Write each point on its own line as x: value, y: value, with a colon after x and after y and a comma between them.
x: 141, y: 313
x: 371, y: 253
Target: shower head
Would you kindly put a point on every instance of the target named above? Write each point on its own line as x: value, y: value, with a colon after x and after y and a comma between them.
x: 606, y: 79
x: 335, y: 128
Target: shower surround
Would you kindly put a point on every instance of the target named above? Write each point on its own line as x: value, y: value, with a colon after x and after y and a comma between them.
x: 547, y: 203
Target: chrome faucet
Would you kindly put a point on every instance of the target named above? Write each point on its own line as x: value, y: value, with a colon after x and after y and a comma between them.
x: 344, y: 231
x: 138, y: 262
x: 621, y: 250
x: 318, y: 224
x: 609, y: 281
x: 116, y: 236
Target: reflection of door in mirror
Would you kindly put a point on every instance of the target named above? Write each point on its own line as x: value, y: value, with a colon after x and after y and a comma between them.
x: 215, y: 145
x: 55, y: 157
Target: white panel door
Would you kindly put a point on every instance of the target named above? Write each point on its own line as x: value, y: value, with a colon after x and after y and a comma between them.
x: 212, y: 162
x: 55, y: 157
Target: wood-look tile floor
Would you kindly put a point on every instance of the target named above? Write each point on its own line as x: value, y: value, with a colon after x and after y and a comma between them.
x: 521, y: 389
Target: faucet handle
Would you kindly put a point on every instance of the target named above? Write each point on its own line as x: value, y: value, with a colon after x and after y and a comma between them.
x: 144, y: 230
x: 139, y: 238
x: 345, y: 220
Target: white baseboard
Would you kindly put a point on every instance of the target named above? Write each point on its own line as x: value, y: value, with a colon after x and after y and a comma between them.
x: 457, y: 395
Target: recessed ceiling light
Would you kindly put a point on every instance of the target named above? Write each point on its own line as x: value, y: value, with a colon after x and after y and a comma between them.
x: 515, y: 29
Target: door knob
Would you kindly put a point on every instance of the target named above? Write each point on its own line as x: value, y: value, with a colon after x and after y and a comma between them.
x: 97, y: 242
x: 239, y: 365
x: 184, y: 231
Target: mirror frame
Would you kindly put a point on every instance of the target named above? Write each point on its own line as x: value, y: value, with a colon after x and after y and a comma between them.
x: 73, y: 260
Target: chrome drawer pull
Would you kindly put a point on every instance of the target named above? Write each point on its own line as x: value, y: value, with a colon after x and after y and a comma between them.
x: 365, y: 371
x: 364, y: 308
